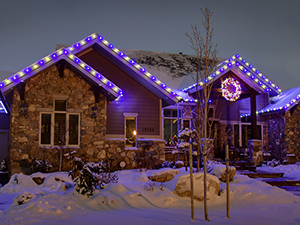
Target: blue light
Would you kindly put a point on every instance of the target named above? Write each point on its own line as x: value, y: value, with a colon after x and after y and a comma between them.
x: 110, y: 45
x: 99, y: 76
x: 209, y: 101
x: 100, y: 38
x: 27, y: 70
x: 153, y: 78
x: 222, y: 70
x: 77, y: 60
x: 237, y: 63
x: 229, y: 64
x: 244, y: 61
x: 163, y: 85
x: 1, y: 85
x: 263, y: 77
x: 88, y: 39
x: 270, y: 82
x: 237, y: 56
x: 142, y: 70
x: 206, y: 80
x: 41, y: 62
x: 252, y: 77
x: 260, y: 83
x: 230, y: 59
x: 245, y: 71
x: 54, y: 55
x: 250, y: 66
x: 276, y: 87
x: 77, y: 45
x: 132, y: 61
x: 213, y: 75
x: 87, y: 68
x: 66, y: 52
x: 121, y: 54
x: 257, y: 71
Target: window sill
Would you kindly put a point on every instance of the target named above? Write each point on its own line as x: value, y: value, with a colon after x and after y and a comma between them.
x: 131, y: 148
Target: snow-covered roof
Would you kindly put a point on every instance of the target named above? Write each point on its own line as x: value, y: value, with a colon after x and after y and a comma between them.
x: 250, y: 75
x: 284, y: 101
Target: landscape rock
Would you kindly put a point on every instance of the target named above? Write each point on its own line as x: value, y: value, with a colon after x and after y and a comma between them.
x: 220, y: 172
x: 164, y: 175
x: 183, y: 189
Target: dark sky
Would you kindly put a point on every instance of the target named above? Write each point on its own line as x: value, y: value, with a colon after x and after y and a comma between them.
x: 264, y: 32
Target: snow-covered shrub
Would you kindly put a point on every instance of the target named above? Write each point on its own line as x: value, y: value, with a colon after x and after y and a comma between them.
x: 273, y: 163
x: 38, y: 165
x: 23, y: 198
x: 167, y: 164
x: 85, y: 183
x: 150, y: 185
x: 179, y: 164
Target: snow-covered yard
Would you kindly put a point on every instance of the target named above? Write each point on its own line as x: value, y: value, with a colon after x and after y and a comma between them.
x: 129, y: 202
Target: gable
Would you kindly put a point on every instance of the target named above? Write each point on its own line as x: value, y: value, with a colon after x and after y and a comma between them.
x: 109, y: 89
x: 133, y: 69
x: 244, y: 71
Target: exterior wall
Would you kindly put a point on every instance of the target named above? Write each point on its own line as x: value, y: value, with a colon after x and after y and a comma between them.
x: 39, y: 93
x: 292, y: 134
x: 116, y: 153
x: 276, y: 135
x: 136, y: 99
x: 4, y: 130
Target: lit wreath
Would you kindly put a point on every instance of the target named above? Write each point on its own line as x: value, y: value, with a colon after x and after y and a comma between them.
x: 231, y: 89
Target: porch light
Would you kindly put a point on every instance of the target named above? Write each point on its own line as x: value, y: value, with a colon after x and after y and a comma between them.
x: 24, y: 108
x: 94, y: 111
x: 134, y: 132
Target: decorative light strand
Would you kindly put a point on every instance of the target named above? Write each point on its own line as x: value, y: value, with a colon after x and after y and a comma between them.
x: 130, y: 62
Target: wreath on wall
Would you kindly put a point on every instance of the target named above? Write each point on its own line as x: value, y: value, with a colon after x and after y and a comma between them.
x: 231, y: 89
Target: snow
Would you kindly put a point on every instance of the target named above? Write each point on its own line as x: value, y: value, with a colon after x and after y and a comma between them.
x: 128, y: 201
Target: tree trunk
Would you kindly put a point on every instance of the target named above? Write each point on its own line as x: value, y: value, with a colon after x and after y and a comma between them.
x: 192, y: 183
x: 227, y: 180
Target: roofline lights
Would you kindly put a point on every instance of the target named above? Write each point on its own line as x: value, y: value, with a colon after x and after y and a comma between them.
x: 252, y: 73
x: 61, y: 53
x: 130, y: 62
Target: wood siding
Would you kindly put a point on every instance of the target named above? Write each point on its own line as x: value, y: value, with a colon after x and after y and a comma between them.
x: 230, y: 111
x: 136, y: 99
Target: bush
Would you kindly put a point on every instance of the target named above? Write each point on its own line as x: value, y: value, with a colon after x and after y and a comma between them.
x: 40, y: 165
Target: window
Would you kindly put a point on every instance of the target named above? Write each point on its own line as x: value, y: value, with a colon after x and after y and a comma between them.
x: 59, y: 127
x: 130, y: 131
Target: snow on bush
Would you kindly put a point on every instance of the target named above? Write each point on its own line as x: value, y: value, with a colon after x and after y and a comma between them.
x: 167, y: 164
x: 179, y: 164
x: 24, y: 198
x: 219, y: 171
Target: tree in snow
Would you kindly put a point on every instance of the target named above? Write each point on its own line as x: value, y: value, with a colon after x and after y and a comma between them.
x: 206, y: 54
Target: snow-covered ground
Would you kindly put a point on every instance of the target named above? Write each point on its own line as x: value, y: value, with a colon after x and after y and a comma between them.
x: 128, y: 202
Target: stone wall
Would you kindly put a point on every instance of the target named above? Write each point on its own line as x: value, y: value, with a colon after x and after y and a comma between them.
x: 292, y: 134
x: 116, y: 152
x: 39, y: 92
x: 276, y: 136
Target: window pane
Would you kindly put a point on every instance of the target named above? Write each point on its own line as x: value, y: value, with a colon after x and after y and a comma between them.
x: 174, y: 113
x: 246, y: 134
x: 174, y: 127
x: 167, y: 113
x: 73, y: 129
x: 60, y: 105
x: 130, y: 130
x: 59, y: 129
x: 167, y: 129
x: 186, y: 123
x: 46, y: 129
x: 236, y: 135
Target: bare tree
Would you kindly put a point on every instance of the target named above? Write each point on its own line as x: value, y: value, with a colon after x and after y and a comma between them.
x: 206, y: 54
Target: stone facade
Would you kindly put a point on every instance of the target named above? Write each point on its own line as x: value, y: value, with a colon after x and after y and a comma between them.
x: 40, y: 92
x: 117, y: 152
x: 254, y: 151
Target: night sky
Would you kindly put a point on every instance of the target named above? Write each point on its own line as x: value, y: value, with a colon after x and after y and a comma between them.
x: 264, y: 32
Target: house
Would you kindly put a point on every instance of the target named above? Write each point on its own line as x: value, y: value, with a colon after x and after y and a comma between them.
x: 94, y: 99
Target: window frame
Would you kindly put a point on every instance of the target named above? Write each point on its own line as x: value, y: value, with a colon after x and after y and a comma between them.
x: 52, y: 112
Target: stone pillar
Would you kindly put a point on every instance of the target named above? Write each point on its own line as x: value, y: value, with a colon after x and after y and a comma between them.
x: 254, y: 151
